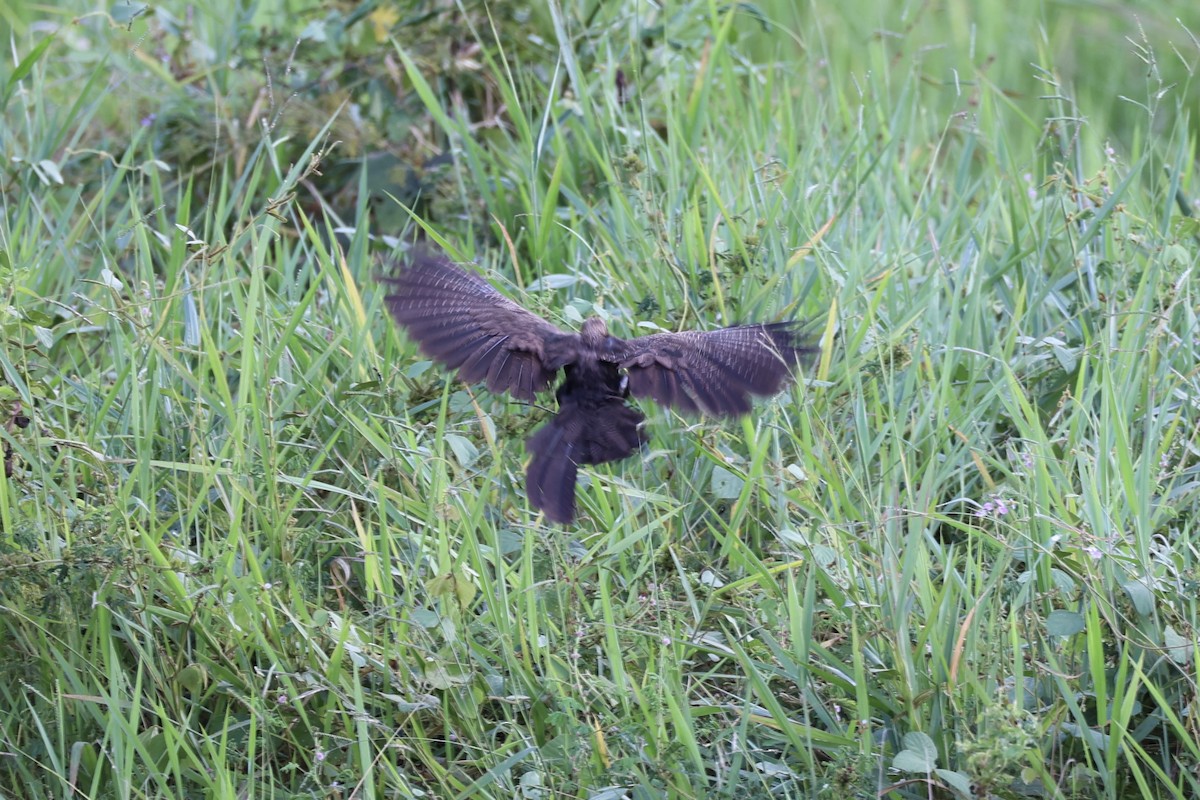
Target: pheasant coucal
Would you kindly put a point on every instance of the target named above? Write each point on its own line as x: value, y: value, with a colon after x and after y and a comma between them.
x: 458, y: 319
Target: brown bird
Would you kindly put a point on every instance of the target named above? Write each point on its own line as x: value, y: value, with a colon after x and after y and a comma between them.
x: 458, y: 319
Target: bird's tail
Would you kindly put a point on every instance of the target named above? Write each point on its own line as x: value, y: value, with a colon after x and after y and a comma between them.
x: 573, y: 437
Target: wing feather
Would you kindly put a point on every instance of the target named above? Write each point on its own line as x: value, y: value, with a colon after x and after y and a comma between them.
x: 714, y: 372
x: 457, y: 318
x: 479, y: 363
x: 444, y: 338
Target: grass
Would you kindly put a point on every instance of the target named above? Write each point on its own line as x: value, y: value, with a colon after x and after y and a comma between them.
x: 254, y: 546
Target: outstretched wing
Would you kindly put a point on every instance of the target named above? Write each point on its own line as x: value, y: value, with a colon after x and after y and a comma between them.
x: 714, y: 372
x: 458, y: 319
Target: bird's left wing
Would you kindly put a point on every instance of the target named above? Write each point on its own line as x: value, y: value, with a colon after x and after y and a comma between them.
x: 458, y: 319
x: 715, y: 372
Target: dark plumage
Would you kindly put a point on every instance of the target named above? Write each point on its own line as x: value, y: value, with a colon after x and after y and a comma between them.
x: 458, y: 319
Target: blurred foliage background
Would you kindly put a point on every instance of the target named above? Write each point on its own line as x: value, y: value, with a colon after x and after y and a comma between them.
x: 254, y: 545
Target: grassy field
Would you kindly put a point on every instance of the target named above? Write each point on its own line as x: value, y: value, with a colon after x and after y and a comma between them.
x: 255, y: 546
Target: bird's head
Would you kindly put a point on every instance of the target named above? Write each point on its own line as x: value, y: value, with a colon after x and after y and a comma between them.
x: 594, y: 331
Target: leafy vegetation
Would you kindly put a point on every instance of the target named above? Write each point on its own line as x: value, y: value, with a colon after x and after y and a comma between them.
x: 253, y: 545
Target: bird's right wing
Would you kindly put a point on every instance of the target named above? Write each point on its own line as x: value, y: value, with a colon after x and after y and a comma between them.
x: 713, y: 372
x: 458, y: 319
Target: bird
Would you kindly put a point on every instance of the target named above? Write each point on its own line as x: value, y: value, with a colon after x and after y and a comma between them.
x: 458, y: 319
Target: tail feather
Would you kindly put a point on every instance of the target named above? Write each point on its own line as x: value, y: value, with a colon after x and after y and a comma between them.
x: 550, y: 480
x: 571, y: 438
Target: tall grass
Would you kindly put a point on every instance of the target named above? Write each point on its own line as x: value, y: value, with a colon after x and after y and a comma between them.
x: 254, y: 545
